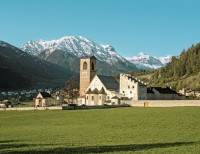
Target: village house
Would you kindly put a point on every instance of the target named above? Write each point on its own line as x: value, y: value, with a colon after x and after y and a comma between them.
x: 43, y: 99
x: 6, y: 103
x: 163, y: 93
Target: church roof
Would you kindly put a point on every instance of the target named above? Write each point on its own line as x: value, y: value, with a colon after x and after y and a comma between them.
x: 109, y: 82
x: 165, y: 90
x: 115, y: 97
x: 96, y: 91
x: 135, y: 79
x: 88, y: 57
x: 45, y: 95
x: 149, y: 90
x: 89, y: 91
x: 102, y: 91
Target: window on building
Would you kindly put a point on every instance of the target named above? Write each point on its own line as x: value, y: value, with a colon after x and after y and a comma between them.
x: 123, y: 91
x: 133, y: 87
x: 85, y: 65
x: 128, y: 87
x: 92, y: 98
x: 99, y: 97
x: 92, y: 66
x: 130, y: 92
x: 108, y: 97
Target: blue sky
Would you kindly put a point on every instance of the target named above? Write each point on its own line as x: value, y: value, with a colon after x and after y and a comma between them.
x: 156, y: 27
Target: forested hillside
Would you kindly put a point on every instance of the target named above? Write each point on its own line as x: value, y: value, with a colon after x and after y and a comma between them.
x: 182, y: 72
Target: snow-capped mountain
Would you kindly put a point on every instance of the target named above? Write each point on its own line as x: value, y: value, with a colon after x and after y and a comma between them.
x: 67, y: 50
x: 165, y: 59
x: 78, y: 46
x: 147, y: 62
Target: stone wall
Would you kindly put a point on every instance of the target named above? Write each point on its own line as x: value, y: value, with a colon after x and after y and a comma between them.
x: 31, y: 108
x: 93, y: 107
x: 161, y: 103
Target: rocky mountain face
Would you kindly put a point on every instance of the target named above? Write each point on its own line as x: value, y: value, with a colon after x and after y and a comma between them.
x: 20, y: 70
x: 147, y: 62
x: 67, y: 51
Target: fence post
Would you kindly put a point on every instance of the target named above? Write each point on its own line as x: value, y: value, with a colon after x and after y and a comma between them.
x: 146, y: 104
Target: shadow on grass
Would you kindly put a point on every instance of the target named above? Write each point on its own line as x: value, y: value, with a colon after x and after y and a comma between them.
x: 101, y: 149
x: 9, y: 144
x: 7, y: 141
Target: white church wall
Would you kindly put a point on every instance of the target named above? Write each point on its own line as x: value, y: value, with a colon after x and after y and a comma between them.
x: 128, y: 88
x: 96, y: 83
x: 132, y: 88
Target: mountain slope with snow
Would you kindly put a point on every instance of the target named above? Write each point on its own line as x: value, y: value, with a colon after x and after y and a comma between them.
x: 66, y: 51
x: 78, y: 46
x: 165, y: 60
x: 147, y: 62
x: 20, y: 70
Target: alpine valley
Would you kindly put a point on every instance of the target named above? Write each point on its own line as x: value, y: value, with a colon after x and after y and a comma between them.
x: 51, y: 63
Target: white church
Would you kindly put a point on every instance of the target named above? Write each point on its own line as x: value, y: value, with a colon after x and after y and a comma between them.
x: 101, y: 89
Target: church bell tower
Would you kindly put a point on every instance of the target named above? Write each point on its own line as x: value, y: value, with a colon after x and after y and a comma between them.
x: 87, y: 72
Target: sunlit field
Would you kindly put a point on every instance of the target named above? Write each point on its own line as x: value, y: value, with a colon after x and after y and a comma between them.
x: 119, y: 130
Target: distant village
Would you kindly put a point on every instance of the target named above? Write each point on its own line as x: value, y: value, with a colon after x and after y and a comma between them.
x: 24, y: 95
x: 98, y: 90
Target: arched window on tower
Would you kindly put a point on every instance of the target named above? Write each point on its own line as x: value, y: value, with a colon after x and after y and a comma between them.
x: 85, y: 65
x: 92, y: 66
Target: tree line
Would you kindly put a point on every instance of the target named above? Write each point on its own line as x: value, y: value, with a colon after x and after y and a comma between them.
x: 182, y: 72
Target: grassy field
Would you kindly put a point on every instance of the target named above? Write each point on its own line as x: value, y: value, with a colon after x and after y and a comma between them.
x: 120, y: 130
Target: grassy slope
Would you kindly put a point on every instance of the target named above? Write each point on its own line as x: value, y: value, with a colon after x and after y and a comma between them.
x: 122, y: 130
x: 190, y: 81
x: 145, y: 77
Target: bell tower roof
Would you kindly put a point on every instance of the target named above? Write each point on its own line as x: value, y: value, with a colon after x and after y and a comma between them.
x: 88, y: 57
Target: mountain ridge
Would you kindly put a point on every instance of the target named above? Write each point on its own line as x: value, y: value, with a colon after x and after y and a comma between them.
x: 147, y: 62
x: 77, y: 46
x: 69, y: 49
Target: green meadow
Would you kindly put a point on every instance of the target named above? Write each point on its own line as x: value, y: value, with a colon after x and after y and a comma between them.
x: 119, y: 130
